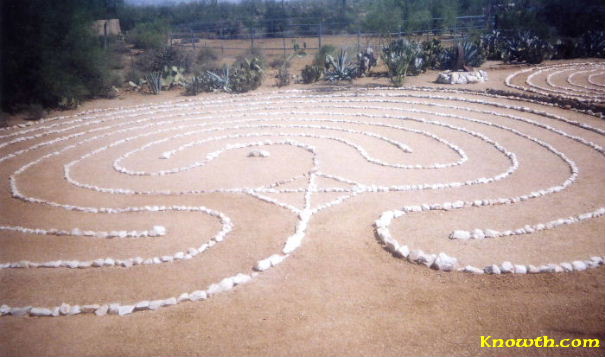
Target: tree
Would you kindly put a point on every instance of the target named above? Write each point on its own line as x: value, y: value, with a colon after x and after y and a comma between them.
x: 49, y: 53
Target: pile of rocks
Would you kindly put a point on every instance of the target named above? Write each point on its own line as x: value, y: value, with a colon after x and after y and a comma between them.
x: 450, y: 77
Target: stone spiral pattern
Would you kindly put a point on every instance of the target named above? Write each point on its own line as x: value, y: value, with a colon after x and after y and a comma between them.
x: 580, y: 81
x: 297, y: 118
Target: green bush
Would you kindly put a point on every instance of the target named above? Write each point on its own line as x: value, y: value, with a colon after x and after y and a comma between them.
x: 148, y: 35
x: 311, y: 73
x: 156, y: 59
x: 206, y: 59
x: 320, y: 56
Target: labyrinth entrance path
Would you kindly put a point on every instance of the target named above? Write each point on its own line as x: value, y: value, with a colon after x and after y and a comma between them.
x: 349, y: 221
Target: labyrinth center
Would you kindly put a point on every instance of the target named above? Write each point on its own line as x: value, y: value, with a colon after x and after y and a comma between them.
x: 127, y: 209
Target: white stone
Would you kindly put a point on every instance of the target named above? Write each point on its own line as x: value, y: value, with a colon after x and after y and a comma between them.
x: 262, y: 265
x: 507, y: 267
x: 463, y: 235
x: 403, y: 251
x: 240, y: 279
x: 114, y: 308
x: 142, y: 305
x: 492, y: 269
x: 159, y: 230
x: 578, y: 265
x: 472, y: 269
x: 478, y: 234
x: 520, y: 269
x: 102, y: 310
x: 275, y: 259
x: 89, y: 308
x: 198, y: 295
x: 40, y: 311
x: 445, y: 263
x: 20, y: 311
x: 125, y: 309
x: 567, y: 267
x: 490, y: 233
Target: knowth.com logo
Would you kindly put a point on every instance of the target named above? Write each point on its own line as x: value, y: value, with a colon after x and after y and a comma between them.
x: 539, y: 342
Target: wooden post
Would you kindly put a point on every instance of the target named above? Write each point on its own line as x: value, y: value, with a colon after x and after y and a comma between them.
x: 320, y: 29
x: 105, y: 34
x: 192, y: 39
x: 222, y: 43
x: 252, y: 38
x: 283, y: 39
x: 358, y: 40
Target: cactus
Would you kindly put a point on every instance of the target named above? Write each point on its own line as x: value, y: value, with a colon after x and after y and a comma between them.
x: 402, y: 58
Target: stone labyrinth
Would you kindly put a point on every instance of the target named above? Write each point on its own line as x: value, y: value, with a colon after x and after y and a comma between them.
x: 112, y: 211
x: 581, y: 81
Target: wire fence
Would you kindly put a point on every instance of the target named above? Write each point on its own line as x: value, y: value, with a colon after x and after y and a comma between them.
x: 312, y: 36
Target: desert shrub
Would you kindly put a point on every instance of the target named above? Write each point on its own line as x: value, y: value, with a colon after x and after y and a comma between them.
x: 320, y: 57
x: 156, y: 59
x: 311, y: 73
x: 206, y: 59
x: 148, y: 35
x: 245, y: 75
x: 255, y: 53
x: 283, y: 77
x: 402, y: 58
x: 34, y: 112
x: 365, y: 61
x: 526, y: 47
x: 592, y: 44
x: 340, y: 68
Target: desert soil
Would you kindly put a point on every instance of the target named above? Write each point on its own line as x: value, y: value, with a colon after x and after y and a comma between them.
x: 340, y: 293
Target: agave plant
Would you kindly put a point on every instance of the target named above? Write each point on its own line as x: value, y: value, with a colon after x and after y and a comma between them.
x: 402, y: 58
x: 218, y: 81
x: 526, y: 47
x: 339, y: 68
x: 463, y: 54
x: 154, y: 81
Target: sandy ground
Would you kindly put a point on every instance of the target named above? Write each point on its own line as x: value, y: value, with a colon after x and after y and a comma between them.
x: 340, y: 293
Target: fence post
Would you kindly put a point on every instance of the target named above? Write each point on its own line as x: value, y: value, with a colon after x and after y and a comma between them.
x: 283, y: 40
x: 192, y: 39
x: 222, y: 43
x: 358, y: 40
x: 252, y: 39
x: 320, y: 29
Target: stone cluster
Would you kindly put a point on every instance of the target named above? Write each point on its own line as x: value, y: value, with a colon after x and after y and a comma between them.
x: 461, y: 77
